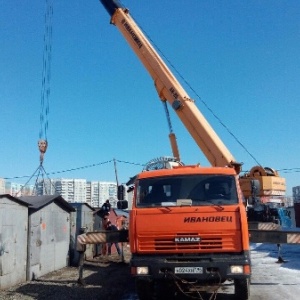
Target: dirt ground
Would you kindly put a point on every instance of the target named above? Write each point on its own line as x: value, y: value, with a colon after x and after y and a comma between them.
x: 106, y: 277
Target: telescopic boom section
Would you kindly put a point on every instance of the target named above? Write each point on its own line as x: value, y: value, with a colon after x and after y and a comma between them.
x: 169, y: 89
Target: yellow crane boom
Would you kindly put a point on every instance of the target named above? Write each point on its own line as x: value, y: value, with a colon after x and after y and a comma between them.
x: 169, y: 89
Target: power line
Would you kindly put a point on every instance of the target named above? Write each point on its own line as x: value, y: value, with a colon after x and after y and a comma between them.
x: 291, y: 170
x: 285, y: 170
x: 76, y: 169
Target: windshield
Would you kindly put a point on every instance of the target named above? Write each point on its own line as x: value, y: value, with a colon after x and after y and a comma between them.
x: 191, y: 190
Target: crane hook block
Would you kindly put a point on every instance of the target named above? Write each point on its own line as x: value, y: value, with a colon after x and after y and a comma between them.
x: 43, y: 144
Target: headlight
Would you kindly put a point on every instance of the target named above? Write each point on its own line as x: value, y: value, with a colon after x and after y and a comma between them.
x: 142, y: 270
x: 236, y: 269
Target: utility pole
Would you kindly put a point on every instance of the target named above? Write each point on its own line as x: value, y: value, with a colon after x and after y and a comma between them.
x: 116, y: 173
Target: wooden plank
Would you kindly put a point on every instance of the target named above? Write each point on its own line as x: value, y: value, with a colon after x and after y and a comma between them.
x: 274, y: 236
x: 263, y: 226
x: 120, y: 236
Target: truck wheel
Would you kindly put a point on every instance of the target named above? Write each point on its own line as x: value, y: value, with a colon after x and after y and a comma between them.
x: 163, y: 289
x: 242, y: 289
x: 143, y: 289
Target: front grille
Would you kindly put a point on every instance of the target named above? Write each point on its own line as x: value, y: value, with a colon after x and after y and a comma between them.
x: 216, y: 242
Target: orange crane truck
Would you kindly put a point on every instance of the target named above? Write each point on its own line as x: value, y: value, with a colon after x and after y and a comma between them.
x: 188, y: 225
x: 188, y: 232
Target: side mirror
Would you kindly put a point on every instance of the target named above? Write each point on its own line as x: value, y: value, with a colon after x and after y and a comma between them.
x: 122, y: 204
x: 121, y: 192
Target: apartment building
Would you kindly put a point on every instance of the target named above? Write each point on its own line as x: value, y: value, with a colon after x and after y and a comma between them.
x: 99, y: 191
x: 18, y: 189
x: 2, y: 186
x: 79, y: 190
x: 95, y: 193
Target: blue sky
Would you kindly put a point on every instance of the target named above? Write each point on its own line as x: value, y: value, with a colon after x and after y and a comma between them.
x: 241, y: 57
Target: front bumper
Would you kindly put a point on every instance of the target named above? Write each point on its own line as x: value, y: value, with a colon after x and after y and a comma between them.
x: 215, y: 267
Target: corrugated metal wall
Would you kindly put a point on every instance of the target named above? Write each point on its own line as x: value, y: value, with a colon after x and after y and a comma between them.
x: 49, y: 240
x: 97, y: 227
x: 13, y: 242
x: 84, y: 220
x: 74, y: 257
x: 36, y: 243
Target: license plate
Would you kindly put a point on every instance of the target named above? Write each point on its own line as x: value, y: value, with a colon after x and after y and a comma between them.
x: 188, y: 270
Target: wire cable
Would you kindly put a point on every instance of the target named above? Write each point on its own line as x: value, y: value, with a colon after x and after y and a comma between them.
x: 46, y: 73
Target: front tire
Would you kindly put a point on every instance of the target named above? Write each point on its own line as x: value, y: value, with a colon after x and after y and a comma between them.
x: 242, y: 289
x: 144, y: 289
x: 155, y: 289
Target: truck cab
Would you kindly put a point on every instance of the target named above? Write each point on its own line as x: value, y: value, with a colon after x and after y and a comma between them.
x: 188, y: 230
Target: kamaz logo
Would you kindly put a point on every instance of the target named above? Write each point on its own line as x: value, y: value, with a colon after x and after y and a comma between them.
x: 187, y: 239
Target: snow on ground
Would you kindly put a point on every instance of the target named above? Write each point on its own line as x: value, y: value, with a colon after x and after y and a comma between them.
x: 272, y: 280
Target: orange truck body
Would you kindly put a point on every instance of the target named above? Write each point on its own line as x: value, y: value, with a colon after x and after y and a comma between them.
x: 197, y: 242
